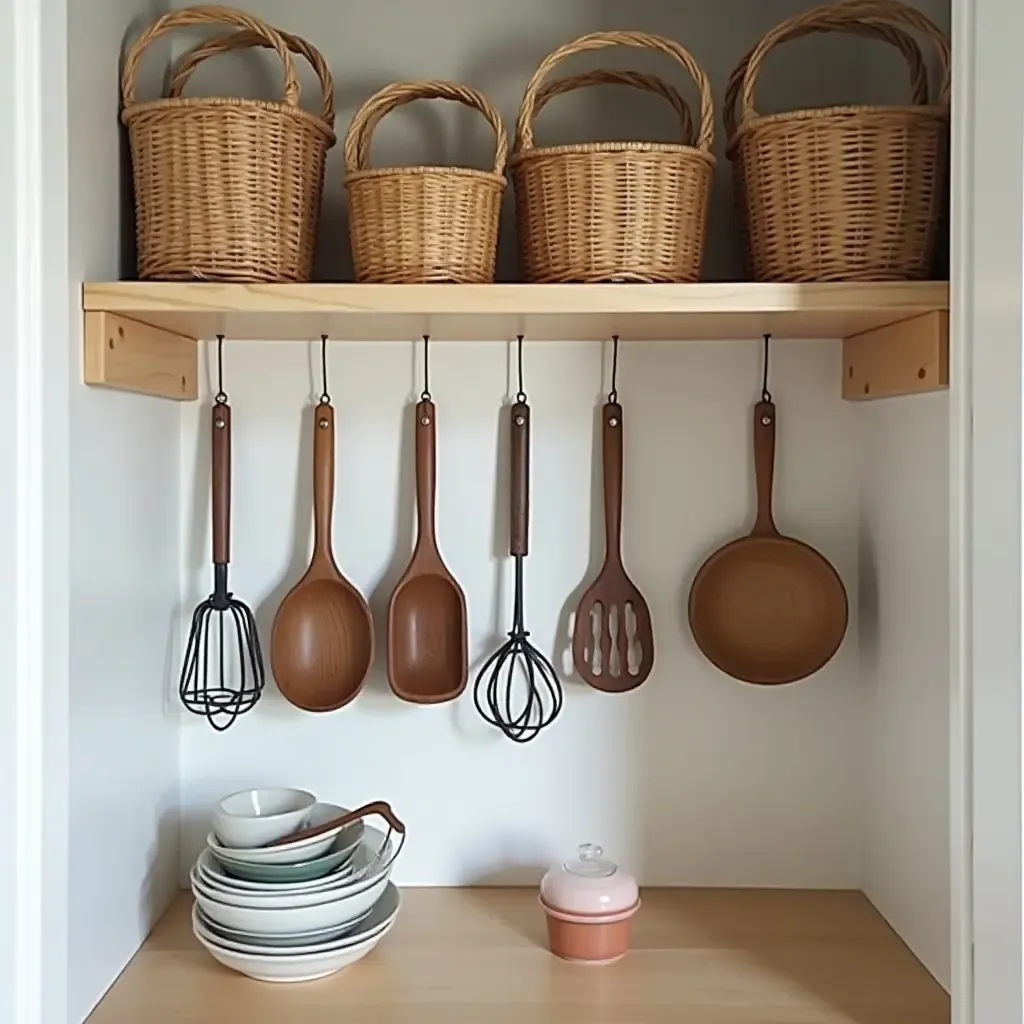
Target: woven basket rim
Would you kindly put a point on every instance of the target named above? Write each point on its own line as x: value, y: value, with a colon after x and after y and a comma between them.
x: 932, y: 112
x: 182, y: 104
x: 467, y: 174
x: 611, y: 148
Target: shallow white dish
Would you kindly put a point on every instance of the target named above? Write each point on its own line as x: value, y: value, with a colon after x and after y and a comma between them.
x: 276, y: 874
x: 338, y: 907
x: 254, y: 817
x: 306, y: 967
x: 377, y: 921
x: 304, y: 849
x: 211, y: 871
x: 311, y: 938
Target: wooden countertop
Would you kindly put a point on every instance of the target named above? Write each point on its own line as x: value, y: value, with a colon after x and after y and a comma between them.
x: 478, y: 956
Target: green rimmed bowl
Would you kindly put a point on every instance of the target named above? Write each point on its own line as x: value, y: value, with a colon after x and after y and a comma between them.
x: 284, y: 874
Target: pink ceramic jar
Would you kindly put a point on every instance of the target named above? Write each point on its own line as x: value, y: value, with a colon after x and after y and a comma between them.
x: 589, y: 902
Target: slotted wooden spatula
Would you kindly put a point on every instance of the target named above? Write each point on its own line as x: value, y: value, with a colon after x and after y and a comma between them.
x: 613, y: 640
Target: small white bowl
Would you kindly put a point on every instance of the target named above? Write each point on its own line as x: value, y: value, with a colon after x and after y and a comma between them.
x: 306, y: 967
x: 256, y: 817
x: 304, y: 849
x: 377, y: 921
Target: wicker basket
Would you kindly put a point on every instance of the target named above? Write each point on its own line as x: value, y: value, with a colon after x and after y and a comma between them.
x: 418, y: 225
x: 614, y: 211
x: 842, y: 193
x: 226, y: 189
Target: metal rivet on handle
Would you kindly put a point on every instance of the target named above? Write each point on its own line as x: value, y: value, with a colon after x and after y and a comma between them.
x: 766, y: 420
x: 425, y: 421
x: 520, y: 420
x: 324, y: 424
x: 613, y: 421
x: 218, y: 424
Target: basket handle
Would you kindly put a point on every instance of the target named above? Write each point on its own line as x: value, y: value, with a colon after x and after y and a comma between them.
x: 208, y: 16
x: 891, y: 12
x: 360, y: 132
x: 905, y: 43
x: 245, y: 39
x: 599, y: 41
x: 636, y: 79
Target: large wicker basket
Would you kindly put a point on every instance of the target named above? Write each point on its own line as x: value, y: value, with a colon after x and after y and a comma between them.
x: 842, y: 193
x: 423, y: 225
x: 227, y: 189
x: 614, y: 211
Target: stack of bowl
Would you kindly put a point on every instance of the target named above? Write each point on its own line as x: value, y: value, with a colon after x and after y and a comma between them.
x: 280, y: 910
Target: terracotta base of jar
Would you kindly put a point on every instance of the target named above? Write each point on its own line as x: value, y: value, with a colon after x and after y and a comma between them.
x: 582, y: 939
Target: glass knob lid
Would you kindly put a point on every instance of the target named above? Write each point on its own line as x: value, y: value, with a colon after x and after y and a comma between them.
x: 590, y: 862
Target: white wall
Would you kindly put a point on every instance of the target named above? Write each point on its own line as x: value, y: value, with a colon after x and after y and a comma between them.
x: 904, y: 657
x: 124, y: 564
x: 694, y: 778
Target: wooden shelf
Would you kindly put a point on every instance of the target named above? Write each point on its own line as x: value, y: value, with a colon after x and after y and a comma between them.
x: 120, y: 353
x: 478, y: 956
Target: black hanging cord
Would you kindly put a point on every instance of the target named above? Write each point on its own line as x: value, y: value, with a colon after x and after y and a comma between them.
x: 425, y: 397
x: 766, y: 395
x: 520, y: 394
x: 221, y: 397
x: 325, y: 398
x: 613, y: 395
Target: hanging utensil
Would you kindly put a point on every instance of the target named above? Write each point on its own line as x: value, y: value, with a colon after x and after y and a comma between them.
x: 321, y: 646
x: 236, y: 646
x: 613, y: 639
x: 428, y: 660
x: 496, y: 684
x: 767, y: 609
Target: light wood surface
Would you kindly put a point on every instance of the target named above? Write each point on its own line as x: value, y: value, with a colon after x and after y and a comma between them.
x: 901, y: 359
x: 477, y: 956
x: 128, y: 355
x: 501, y: 311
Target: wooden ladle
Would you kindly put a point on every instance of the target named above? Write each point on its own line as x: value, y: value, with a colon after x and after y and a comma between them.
x: 604, y: 612
x: 321, y: 646
x: 428, y: 659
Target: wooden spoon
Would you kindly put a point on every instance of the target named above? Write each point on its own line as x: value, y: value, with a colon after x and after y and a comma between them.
x: 428, y: 660
x: 767, y: 609
x: 613, y: 603
x: 321, y: 646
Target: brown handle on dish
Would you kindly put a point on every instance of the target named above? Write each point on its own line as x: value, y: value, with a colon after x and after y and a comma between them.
x: 425, y: 475
x: 221, y: 482
x: 323, y: 479
x: 519, y: 487
x: 612, y: 444
x: 764, y: 466
x: 380, y: 807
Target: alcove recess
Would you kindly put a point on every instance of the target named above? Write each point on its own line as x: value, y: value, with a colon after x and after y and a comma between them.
x: 141, y: 336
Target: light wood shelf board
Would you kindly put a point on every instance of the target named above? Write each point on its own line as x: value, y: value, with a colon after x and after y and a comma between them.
x: 477, y: 956
x: 705, y: 311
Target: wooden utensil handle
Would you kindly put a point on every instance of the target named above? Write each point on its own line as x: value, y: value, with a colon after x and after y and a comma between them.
x: 425, y: 471
x: 612, y: 445
x: 323, y: 478
x: 519, y: 486
x: 380, y: 807
x: 221, y: 482
x: 764, y: 466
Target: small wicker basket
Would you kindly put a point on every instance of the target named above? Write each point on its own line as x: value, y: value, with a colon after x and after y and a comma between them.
x: 421, y: 225
x: 226, y: 189
x: 842, y: 193
x: 614, y: 211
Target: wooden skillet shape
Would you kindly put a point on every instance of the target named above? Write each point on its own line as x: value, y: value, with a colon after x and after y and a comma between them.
x: 428, y: 656
x: 613, y: 591
x: 321, y: 646
x: 767, y: 609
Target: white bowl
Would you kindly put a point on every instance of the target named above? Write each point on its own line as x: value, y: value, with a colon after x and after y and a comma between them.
x: 377, y: 921
x: 312, y: 938
x: 255, y: 817
x: 305, y: 967
x: 271, y: 916
x: 304, y: 849
x: 210, y: 870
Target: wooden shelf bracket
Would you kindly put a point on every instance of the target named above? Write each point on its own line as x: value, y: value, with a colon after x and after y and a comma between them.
x: 132, y: 356
x: 904, y: 358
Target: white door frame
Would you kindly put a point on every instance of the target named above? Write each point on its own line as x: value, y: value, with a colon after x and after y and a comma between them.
x: 987, y: 426
x: 36, y: 298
